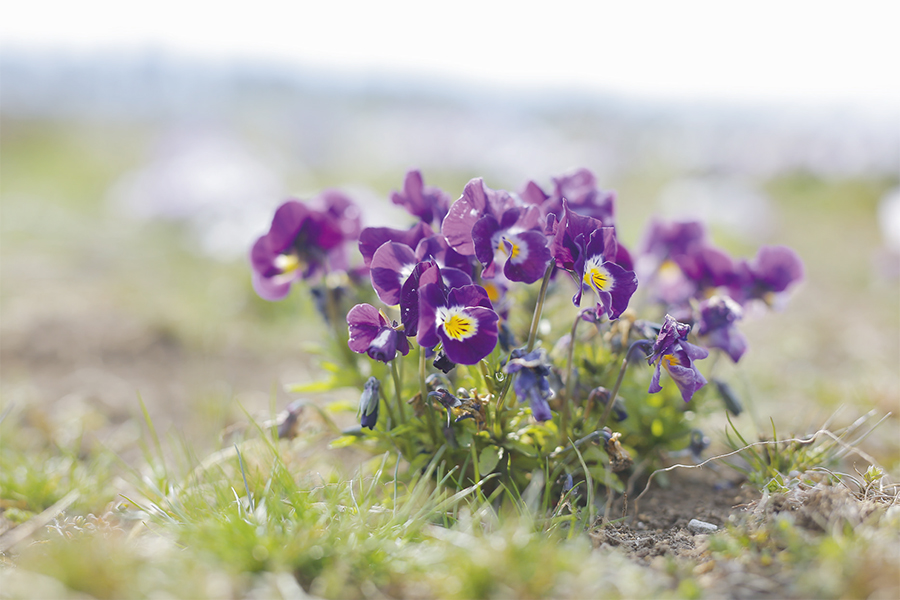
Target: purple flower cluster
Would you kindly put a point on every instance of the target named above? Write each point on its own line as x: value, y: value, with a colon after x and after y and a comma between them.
x: 700, y: 283
x: 514, y: 237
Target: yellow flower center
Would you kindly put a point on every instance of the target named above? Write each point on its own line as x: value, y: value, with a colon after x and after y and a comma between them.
x: 287, y: 263
x: 596, y: 276
x: 459, y: 327
x: 670, y: 360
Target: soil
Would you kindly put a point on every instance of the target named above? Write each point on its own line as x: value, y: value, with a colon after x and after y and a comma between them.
x: 656, y: 522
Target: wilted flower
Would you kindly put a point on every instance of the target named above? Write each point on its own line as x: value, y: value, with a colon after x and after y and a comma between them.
x: 368, y: 403
x: 461, y: 320
x: 428, y: 203
x: 531, y: 382
x: 372, y: 333
x: 716, y: 326
x: 301, y: 243
x: 672, y: 351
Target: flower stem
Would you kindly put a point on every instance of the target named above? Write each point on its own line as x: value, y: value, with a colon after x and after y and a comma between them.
x: 395, y: 373
x: 429, y: 410
x: 644, y: 345
x: 570, y: 380
x: 532, y: 333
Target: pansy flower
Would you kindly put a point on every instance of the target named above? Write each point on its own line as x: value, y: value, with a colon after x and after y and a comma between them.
x: 372, y: 333
x: 478, y: 200
x: 515, y: 238
x: 531, y: 382
x: 672, y: 351
x: 461, y: 320
x: 372, y: 238
x: 774, y: 269
x: 579, y: 189
x: 428, y: 203
x: 585, y: 248
x: 301, y: 243
x: 716, y: 326
x: 707, y: 267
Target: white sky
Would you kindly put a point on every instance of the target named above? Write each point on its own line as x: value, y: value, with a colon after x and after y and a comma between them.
x: 751, y: 51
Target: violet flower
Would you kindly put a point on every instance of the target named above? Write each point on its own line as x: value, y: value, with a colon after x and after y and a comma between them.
x: 372, y: 333
x: 586, y: 249
x: 372, y: 238
x: 579, y: 189
x: 773, y: 270
x: 524, y: 249
x: 477, y: 201
x: 716, y: 326
x: 531, y: 382
x: 369, y: 402
x: 461, y: 320
x: 672, y: 351
x: 301, y: 243
x: 428, y: 203
x: 707, y: 267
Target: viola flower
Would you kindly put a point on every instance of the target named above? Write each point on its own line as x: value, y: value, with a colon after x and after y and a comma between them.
x: 301, y: 243
x: 672, y: 351
x: 716, y: 326
x: 372, y: 333
x: 368, y: 403
x: 579, y: 189
x: 707, y: 267
x: 514, y: 237
x: 389, y: 269
x: 428, y: 203
x: 664, y: 240
x: 461, y: 320
x: 372, y: 238
x: 531, y: 382
x: 774, y: 269
x: 477, y: 201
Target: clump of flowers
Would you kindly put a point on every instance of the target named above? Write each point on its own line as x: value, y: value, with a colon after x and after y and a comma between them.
x: 453, y: 334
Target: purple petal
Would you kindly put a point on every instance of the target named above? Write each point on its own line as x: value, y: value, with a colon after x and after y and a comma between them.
x: 528, y: 256
x: 423, y: 273
x: 471, y: 349
x: 268, y: 289
x: 372, y: 238
x: 364, y: 322
x: 469, y: 295
x: 286, y: 224
x: 482, y: 238
x: 391, y: 265
x: 431, y: 297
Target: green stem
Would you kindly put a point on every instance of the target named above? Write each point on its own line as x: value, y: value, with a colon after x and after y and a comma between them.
x: 395, y: 373
x: 341, y: 334
x: 390, y: 409
x: 429, y: 410
x: 570, y: 380
x: 532, y: 334
x: 643, y: 344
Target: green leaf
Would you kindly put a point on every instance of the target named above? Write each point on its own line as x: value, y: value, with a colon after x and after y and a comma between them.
x: 488, y: 459
x: 314, y: 387
x: 344, y: 441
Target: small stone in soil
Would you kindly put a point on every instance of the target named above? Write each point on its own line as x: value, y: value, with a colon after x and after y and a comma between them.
x: 698, y: 526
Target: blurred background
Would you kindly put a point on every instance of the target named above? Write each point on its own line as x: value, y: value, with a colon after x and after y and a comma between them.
x: 143, y: 148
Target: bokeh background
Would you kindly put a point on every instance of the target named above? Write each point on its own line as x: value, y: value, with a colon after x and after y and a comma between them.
x: 143, y: 148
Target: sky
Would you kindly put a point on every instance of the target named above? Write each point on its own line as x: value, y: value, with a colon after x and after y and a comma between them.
x: 772, y: 51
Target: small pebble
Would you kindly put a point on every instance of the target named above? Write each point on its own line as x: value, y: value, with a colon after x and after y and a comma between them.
x: 698, y: 526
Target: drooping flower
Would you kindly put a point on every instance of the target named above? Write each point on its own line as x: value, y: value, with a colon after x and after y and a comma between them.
x: 372, y: 333
x: 772, y: 271
x: 673, y: 352
x: 301, y: 244
x: 716, y: 326
x: 369, y: 402
x: 461, y: 320
x: 531, y: 383
x: 428, y: 203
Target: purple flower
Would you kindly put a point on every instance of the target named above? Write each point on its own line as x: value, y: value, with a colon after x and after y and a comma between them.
x: 665, y: 240
x: 477, y: 201
x: 368, y: 403
x: 372, y: 333
x: 428, y: 203
x: 707, y: 267
x: 372, y: 238
x: 516, y: 238
x: 300, y: 244
x: 672, y: 351
x: 716, y: 326
x: 389, y: 269
x: 579, y: 189
x: 774, y: 269
x: 531, y: 382
x: 462, y: 320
